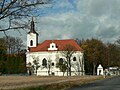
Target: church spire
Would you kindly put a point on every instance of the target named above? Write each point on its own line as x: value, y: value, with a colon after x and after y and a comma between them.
x: 32, y: 25
x: 32, y: 36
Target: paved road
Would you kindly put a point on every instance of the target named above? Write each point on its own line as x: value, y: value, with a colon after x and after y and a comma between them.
x: 107, y: 84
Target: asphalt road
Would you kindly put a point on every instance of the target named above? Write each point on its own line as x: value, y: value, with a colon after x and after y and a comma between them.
x: 107, y: 84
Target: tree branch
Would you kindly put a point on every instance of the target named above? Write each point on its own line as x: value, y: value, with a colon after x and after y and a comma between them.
x: 8, y: 6
x: 2, y: 5
x: 12, y: 9
x: 21, y: 27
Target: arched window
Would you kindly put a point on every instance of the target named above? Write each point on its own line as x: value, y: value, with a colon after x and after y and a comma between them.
x: 60, y: 60
x: 52, y: 64
x: 44, y: 62
x: 31, y: 43
x: 74, y: 58
x: 52, y: 46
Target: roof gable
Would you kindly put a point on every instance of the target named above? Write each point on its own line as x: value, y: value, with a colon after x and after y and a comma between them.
x: 60, y: 44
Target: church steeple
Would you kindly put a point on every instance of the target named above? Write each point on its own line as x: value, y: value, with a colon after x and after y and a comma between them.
x: 32, y: 25
x: 32, y: 36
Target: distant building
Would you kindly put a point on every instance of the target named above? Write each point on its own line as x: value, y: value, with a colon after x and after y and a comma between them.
x: 49, y: 53
x: 113, y: 71
x: 100, y: 70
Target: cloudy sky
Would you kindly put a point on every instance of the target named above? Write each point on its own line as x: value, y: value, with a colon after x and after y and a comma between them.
x: 70, y: 19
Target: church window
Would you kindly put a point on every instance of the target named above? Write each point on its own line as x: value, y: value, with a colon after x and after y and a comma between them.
x: 44, y: 62
x: 61, y: 60
x: 53, y: 73
x: 52, y: 46
x: 74, y: 58
x: 31, y: 43
x: 52, y: 64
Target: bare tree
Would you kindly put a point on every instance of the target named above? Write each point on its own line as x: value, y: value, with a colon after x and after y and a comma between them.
x: 78, y: 66
x: 68, y: 52
x: 36, y: 64
x: 29, y: 68
x: 12, y: 11
x: 62, y: 66
x: 81, y: 62
x: 49, y: 65
x: 14, y: 45
x: 19, y: 44
x: 3, y: 47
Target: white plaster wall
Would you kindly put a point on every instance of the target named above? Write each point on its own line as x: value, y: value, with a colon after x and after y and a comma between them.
x: 99, y: 70
x: 53, y: 57
x: 33, y: 37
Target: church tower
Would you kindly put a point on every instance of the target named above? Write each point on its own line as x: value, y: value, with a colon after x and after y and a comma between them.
x: 32, y: 36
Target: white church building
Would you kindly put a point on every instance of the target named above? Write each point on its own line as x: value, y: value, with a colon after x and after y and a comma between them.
x: 50, y: 52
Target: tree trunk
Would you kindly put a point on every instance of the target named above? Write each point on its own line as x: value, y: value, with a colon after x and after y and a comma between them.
x: 63, y: 73
x: 49, y: 70
x: 94, y: 65
x: 36, y: 71
x: 69, y: 67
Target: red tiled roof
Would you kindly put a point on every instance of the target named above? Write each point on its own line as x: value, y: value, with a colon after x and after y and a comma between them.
x: 59, y: 43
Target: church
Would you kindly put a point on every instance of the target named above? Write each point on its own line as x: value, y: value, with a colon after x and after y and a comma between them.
x: 44, y: 59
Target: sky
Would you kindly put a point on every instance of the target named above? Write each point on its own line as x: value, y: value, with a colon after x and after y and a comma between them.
x: 83, y: 19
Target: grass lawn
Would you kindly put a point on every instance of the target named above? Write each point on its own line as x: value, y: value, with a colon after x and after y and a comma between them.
x: 44, y: 83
